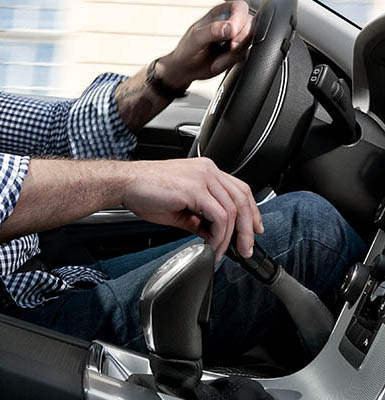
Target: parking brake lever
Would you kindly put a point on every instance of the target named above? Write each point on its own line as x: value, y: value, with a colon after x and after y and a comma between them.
x: 312, y: 318
x: 174, y: 305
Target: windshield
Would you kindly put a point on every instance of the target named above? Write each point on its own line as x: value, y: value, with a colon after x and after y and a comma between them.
x: 358, y: 11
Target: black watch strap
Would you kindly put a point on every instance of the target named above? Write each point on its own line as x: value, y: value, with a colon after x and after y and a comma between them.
x: 160, y: 87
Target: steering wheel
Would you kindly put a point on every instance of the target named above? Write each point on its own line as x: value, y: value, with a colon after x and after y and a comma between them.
x: 241, y: 116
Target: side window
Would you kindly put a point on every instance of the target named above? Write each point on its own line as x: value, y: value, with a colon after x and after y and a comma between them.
x: 57, y: 47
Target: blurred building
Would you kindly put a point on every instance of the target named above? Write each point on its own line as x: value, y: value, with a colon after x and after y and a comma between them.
x: 122, y: 36
x: 31, y: 32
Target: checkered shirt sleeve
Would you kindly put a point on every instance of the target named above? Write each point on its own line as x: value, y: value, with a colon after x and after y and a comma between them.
x: 89, y: 127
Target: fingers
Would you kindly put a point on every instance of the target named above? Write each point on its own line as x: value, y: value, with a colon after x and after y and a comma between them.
x: 236, y: 208
x: 256, y: 215
x: 225, y: 61
x: 233, y: 12
x: 216, y: 210
x: 244, y: 220
x: 239, y: 20
x: 243, y: 38
x: 210, y: 215
x: 219, y: 192
x: 214, y: 32
x: 249, y: 219
x: 238, y: 47
x: 228, y: 21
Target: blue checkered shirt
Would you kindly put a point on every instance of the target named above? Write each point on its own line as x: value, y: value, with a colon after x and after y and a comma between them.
x: 89, y: 127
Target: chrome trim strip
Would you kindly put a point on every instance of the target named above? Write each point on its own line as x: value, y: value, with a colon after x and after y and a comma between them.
x: 189, y: 130
x: 102, y: 387
x: 108, y: 217
x: 269, y: 197
x: 107, y: 370
x: 273, y: 118
x: 95, y: 358
x: 376, y: 247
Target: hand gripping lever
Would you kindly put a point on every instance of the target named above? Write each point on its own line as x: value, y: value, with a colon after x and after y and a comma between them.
x: 173, y: 306
x: 312, y: 318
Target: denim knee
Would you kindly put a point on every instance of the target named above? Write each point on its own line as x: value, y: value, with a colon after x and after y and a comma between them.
x: 308, y: 216
x: 319, y: 219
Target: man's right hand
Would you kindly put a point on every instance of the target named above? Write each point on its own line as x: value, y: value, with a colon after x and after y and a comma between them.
x: 193, y: 194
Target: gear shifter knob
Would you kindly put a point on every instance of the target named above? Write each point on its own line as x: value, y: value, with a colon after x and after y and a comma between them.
x: 174, y: 304
x: 175, y: 301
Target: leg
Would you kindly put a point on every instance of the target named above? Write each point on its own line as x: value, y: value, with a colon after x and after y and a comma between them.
x: 303, y: 232
x: 119, y: 266
x: 109, y: 311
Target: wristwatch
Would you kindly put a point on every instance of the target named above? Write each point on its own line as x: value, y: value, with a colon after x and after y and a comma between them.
x: 160, y: 87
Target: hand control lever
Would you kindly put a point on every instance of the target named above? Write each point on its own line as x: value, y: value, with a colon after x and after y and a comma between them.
x: 312, y: 318
x: 174, y: 305
x: 334, y: 95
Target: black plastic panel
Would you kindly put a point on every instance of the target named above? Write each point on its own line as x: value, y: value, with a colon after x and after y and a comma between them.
x: 36, y: 363
x: 350, y: 177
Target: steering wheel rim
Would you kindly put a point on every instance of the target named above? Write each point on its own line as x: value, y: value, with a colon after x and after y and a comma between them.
x: 246, y: 86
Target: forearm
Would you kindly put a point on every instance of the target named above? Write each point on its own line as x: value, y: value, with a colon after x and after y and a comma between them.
x: 138, y: 102
x: 56, y: 192
x: 192, y: 59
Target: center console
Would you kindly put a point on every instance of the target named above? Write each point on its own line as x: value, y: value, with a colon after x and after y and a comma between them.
x: 351, y: 365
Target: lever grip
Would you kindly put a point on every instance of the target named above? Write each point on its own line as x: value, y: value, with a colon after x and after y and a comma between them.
x: 176, y: 301
x: 312, y: 318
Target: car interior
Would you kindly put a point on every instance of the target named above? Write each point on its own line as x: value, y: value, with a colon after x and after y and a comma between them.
x: 304, y: 111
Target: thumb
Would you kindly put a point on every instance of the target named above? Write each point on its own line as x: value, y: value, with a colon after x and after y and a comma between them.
x: 215, y: 32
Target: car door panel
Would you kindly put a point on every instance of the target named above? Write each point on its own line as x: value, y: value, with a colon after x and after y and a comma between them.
x: 162, y: 139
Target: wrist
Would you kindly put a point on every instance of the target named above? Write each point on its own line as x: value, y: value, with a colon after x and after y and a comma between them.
x: 171, y: 74
x: 122, y: 178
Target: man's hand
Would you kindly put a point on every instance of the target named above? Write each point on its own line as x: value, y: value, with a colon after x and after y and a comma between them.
x: 191, y: 194
x: 195, y: 195
x: 194, y: 57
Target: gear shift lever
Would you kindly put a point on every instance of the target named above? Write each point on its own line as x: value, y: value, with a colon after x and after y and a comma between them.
x: 173, y: 306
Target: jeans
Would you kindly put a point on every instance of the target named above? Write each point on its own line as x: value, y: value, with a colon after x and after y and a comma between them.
x: 303, y: 232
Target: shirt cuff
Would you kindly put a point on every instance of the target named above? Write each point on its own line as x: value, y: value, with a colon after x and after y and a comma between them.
x: 95, y: 128
x: 13, y: 170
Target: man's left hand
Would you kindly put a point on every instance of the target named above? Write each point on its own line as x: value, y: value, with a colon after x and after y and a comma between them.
x: 228, y: 24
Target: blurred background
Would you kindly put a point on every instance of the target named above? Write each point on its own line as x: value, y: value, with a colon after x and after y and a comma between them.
x: 358, y: 11
x: 57, y: 47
